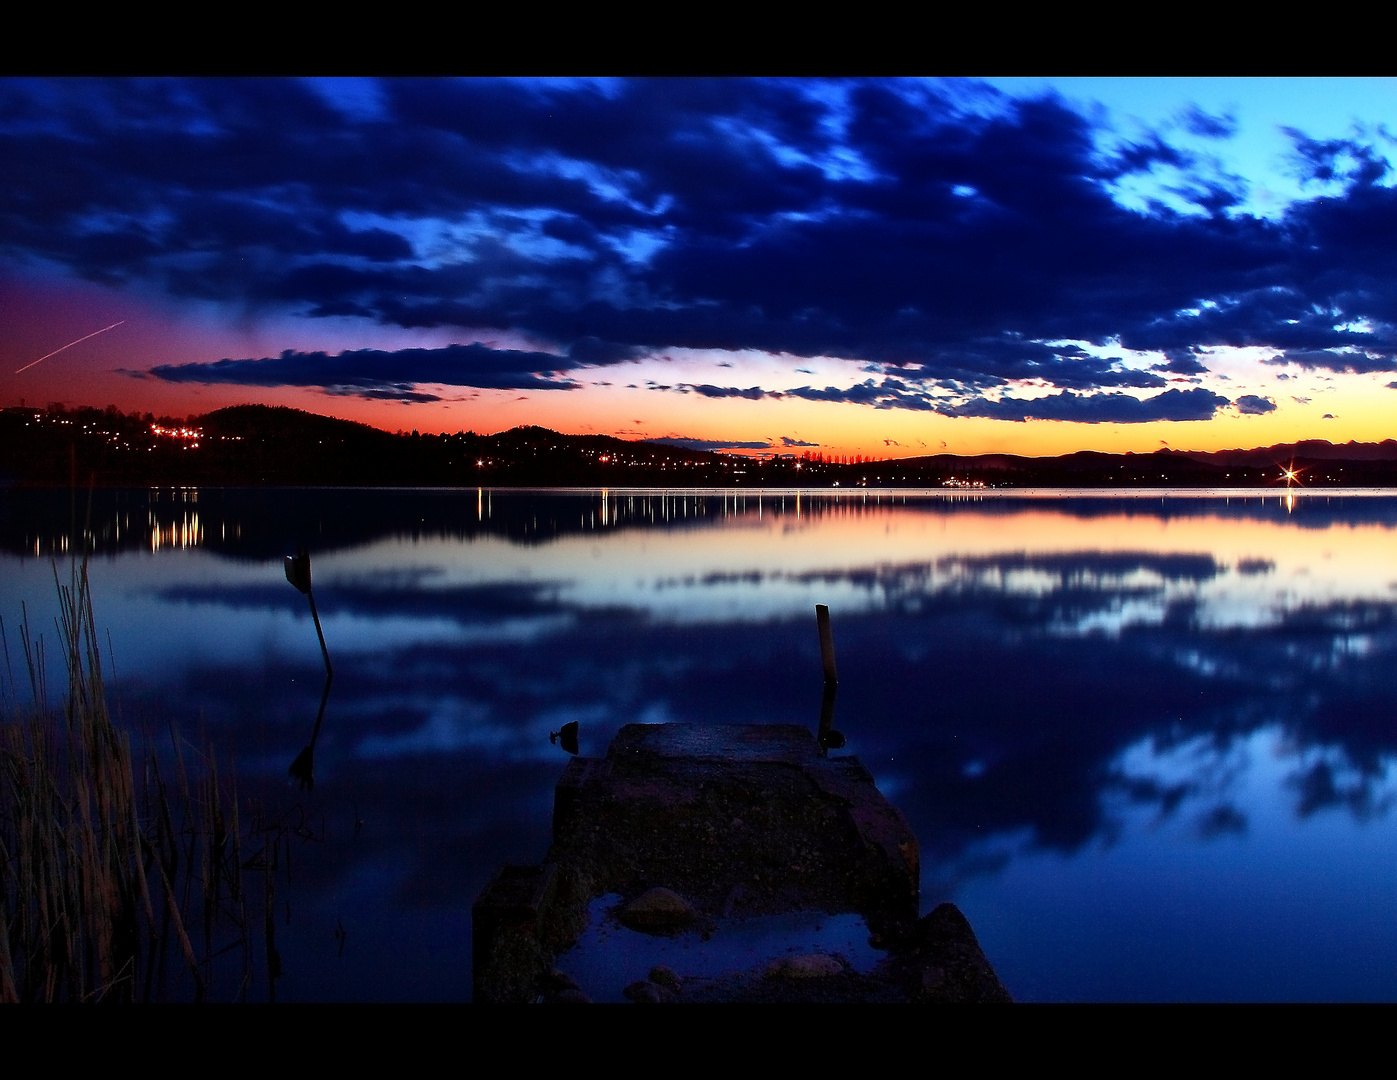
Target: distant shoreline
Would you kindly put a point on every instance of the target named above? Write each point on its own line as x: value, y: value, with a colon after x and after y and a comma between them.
x: 262, y: 446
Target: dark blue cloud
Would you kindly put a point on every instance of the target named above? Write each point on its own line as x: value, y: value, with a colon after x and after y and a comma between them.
x: 374, y: 373
x: 1098, y: 408
x: 1327, y: 160
x: 889, y: 394
x: 1104, y: 408
x: 1251, y: 403
x: 878, y: 221
x: 1208, y: 126
x: 1334, y: 360
x: 1181, y: 362
x: 752, y: 393
x: 1143, y: 156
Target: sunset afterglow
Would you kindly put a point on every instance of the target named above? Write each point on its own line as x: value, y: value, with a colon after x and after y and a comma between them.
x: 883, y: 268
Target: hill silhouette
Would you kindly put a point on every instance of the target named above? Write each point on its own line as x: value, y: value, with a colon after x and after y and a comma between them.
x: 255, y: 445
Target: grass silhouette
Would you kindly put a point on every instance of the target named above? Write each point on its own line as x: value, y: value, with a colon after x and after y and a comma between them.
x: 125, y: 873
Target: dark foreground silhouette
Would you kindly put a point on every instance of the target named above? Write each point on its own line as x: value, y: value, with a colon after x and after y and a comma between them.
x: 699, y: 827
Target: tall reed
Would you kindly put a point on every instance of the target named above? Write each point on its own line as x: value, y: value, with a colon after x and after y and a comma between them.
x: 121, y: 874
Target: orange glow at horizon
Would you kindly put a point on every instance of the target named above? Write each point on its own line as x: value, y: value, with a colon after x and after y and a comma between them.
x: 625, y: 400
x: 850, y: 429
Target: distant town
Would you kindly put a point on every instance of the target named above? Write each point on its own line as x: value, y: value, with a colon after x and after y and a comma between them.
x: 257, y: 445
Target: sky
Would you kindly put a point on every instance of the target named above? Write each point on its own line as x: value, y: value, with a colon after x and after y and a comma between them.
x: 878, y: 267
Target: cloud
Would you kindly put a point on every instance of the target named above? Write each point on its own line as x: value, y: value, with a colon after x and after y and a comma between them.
x: 752, y: 393
x: 786, y: 440
x: 1181, y: 362
x: 875, y: 221
x: 1208, y: 126
x: 374, y: 373
x: 405, y: 394
x: 710, y: 444
x: 1104, y: 408
x: 1251, y: 403
x: 1335, y: 360
x: 1326, y: 160
x: 889, y: 394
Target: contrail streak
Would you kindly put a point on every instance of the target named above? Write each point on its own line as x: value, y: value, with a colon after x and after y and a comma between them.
x: 71, y: 344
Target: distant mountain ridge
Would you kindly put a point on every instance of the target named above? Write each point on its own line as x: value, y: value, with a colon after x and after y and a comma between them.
x: 280, y: 421
x: 261, y: 418
x: 262, y: 445
x: 1311, y: 449
x: 1259, y: 457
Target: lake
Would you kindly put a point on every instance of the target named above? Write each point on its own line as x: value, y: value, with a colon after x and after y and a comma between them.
x: 1146, y: 739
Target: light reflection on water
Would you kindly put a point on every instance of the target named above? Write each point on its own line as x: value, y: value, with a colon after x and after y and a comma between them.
x: 1146, y: 740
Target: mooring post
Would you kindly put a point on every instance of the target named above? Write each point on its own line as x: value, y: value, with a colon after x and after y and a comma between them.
x: 829, y: 739
x: 826, y: 645
x: 298, y: 574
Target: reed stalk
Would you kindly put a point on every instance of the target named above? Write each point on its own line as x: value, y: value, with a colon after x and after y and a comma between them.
x: 105, y: 865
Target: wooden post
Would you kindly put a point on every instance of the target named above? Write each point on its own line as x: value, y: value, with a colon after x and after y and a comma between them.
x: 303, y: 768
x: 826, y: 645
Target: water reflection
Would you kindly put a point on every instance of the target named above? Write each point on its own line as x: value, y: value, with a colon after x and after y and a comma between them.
x: 259, y: 523
x: 297, y: 570
x: 1067, y: 695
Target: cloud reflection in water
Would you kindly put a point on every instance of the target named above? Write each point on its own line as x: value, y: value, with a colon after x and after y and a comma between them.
x: 1068, y: 698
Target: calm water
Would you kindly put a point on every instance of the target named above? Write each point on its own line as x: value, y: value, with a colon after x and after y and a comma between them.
x: 1146, y: 741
